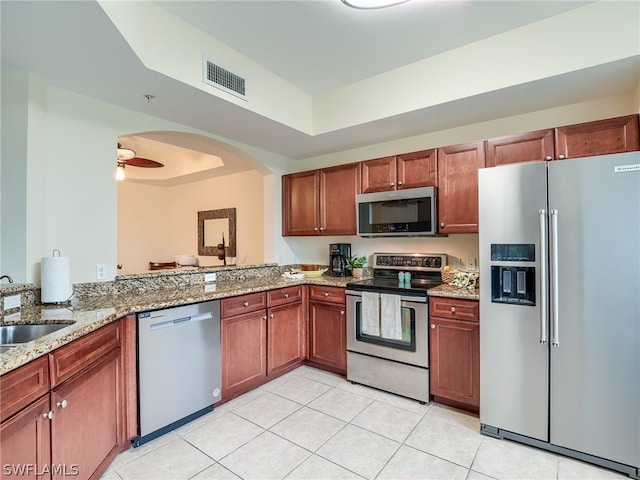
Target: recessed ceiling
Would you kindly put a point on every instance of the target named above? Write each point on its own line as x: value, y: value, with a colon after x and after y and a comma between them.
x: 316, y: 46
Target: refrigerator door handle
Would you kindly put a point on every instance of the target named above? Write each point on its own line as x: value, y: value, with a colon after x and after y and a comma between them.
x: 544, y: 304
x: 555, y: 335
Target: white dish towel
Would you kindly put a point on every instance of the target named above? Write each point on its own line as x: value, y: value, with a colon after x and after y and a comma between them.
x: 370, y: 314
x: 390, y: 316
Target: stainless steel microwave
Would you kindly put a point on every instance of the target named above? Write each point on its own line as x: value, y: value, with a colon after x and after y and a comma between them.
x: 400, y: 213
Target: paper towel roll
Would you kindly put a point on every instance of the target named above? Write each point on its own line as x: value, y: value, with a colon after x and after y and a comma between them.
x: 56, y: 279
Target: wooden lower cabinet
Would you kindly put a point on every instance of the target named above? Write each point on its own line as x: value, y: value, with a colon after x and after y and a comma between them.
x: 328, y: 329
x: 286, y: 335
x: 264, y: 343
x: 454, y: 349
x: 25, y: 442
x: 244, y: 354
x: 86, y: 424
x: 77, y: 427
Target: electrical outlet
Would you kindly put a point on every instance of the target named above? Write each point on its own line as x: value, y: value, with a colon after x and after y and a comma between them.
x: 471, y: 265
x: 211, y: 287
x: 14, y: 301
x: 209, y: 277
x: 101, y: 271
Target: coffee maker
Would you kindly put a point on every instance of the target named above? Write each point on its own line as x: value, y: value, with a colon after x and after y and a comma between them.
x: 339, y: 253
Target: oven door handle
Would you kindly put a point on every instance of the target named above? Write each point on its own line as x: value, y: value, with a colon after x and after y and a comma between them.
x: 403, y: 298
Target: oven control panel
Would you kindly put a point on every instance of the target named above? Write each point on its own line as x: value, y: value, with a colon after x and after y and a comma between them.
x: 410, y: 261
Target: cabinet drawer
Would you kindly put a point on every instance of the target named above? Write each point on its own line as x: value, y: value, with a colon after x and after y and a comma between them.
x: 243, y: 304
x: 284, y: 295
x: 320, y: 293
x: 22, y: 386
x: 454, y: 308
x: 70, y: 359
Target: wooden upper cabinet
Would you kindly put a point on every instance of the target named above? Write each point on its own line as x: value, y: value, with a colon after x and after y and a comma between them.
x: 525, y: 147
x: 321, y: 202
x: 409, y: 170
x: 379, y: 175
x: 458, y: 187
x: 300, y: 203
x: 417, y: 169
x: 338, y: 189
x: 602, y: 137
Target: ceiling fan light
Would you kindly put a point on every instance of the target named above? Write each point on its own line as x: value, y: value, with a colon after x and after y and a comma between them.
x: 125, y: 154
x: 120, y: 171
x: 372, y: 4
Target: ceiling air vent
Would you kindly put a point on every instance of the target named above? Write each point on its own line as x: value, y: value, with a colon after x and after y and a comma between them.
x: 223, y: 79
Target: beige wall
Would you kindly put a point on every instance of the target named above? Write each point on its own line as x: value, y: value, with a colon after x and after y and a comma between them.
x: 158, y: 223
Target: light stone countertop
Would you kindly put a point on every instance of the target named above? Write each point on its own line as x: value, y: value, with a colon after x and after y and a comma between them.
x: 90, y: 313
x: 446, y: 290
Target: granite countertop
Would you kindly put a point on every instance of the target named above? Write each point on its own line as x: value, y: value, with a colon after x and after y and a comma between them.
x: 446, y: 290
x: 87, y: 314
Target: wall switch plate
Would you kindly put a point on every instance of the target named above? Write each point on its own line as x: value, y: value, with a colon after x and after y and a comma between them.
x: 101, y: 271
x: 471, y: 264
x: 14, y: 301
x: 209, y: 277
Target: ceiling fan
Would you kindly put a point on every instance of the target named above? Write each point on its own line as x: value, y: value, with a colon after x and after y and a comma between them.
x: 127, y: 156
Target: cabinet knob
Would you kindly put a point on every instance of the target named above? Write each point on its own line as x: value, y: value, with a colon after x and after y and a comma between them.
x: 341, y: 312
x: 441, y: 224
x: 548, y: 157
x: 400, y: 182
x: 453, y: 309
x: 433, y: 325
x: 326, y: 294
x: 321, y: 228
x: 264, y: 317
x: 391, y: 184
x: 49, y: 415
x: 246, y: 304
x: 316, y: 229
x: 561, y: 157
x: 62, y: 404
x: 286, y: 295
x: 271, y: 315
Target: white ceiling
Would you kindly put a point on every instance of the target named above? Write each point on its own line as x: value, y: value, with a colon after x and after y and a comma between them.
x: 315, y: 45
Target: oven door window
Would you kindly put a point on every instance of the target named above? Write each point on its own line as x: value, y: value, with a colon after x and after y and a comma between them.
x: 408, y: 327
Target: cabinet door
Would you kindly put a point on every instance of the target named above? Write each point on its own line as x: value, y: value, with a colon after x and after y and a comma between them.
x: 301, y: 204
x: 25, y: 442
x: 87, y: 418
x: 243, y: 341
x: 328, y: 337
x: 458, y: 187
x: 338, y: 189
x: 526, y: 147
x: 286, y: 336
x: 379, y: 175
x: 417, y: 169
x: 455, y: 360
x: 603, y: 137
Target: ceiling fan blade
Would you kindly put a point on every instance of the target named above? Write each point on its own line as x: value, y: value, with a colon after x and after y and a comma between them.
x: 143, y: 162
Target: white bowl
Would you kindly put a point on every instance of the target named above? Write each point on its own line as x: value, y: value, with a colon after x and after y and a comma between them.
x: 186, y: 260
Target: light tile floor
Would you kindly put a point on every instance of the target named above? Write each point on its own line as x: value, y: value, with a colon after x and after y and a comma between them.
x: 309, y: 424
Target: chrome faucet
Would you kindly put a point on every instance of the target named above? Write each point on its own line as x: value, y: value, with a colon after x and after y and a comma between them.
x: 7, y: 277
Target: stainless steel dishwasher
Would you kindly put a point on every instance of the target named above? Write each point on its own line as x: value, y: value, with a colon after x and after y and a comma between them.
x: 178, y: 367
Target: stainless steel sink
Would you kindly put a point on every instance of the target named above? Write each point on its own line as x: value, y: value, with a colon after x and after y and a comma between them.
x: 13, y: 334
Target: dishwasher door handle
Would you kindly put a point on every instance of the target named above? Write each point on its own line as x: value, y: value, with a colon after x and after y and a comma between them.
x: 178, y: 321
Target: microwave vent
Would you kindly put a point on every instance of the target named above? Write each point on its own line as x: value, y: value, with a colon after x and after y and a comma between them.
x: 221, y: 78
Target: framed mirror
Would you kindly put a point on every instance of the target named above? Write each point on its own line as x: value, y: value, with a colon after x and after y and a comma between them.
x: 212, y: 224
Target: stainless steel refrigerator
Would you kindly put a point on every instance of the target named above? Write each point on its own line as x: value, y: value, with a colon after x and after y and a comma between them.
x: 560, y: 307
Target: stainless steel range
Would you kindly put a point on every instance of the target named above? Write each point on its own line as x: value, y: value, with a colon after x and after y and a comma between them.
x: 388, y: 323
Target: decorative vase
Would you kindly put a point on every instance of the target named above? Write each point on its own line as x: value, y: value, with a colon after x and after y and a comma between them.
x: 356, y: 272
